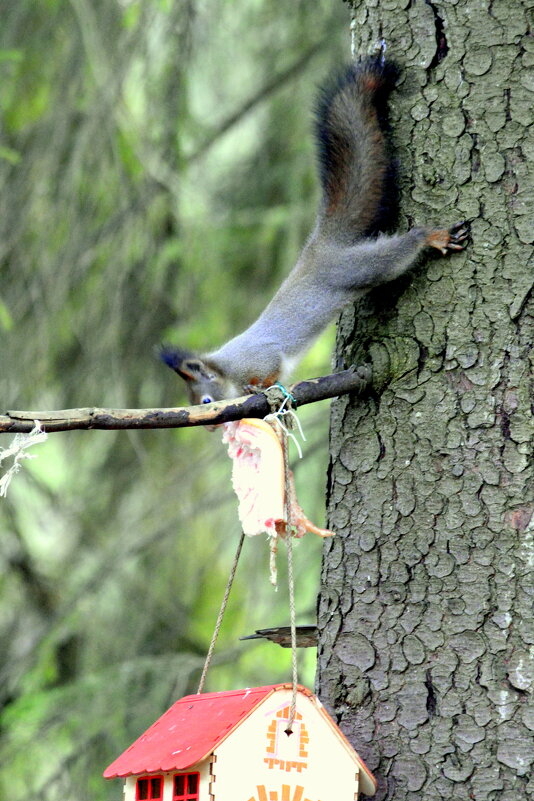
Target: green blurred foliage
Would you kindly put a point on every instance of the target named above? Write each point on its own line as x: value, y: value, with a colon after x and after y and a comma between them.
x: 158, y: 181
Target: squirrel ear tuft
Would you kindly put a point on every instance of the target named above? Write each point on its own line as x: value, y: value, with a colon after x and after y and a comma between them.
x: 187, y: 364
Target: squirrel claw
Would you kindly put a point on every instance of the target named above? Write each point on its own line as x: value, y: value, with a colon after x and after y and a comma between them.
x: 379, y: 49
x: 458, y: 234
x: 253, y: 389
x: 446, y: 239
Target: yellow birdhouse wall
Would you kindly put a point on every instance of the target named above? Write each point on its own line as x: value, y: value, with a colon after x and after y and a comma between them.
x: 259, y: 762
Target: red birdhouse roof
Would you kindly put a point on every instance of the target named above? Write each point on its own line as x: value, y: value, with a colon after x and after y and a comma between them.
x: 194, y: 726
x: 188, y: 731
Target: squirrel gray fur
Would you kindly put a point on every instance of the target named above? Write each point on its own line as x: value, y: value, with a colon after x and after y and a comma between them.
x: 344, y: 257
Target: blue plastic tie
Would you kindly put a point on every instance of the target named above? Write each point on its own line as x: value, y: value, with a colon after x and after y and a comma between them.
x: 287, y: 393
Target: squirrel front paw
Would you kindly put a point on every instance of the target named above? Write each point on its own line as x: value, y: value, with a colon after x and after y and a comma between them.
x: 446, y: 239
x: 257, y: 385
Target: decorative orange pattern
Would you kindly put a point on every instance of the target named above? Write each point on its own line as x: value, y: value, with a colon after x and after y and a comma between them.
x: 271, y: 737
x: 273, y: 730
x: 285, y: 764
x: 284, y: 795
x: 304, y: 740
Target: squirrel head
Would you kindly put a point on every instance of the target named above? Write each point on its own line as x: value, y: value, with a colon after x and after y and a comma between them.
x: 204, y: 384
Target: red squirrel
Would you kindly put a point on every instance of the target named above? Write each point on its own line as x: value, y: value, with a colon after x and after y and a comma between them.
x: 344, y: 257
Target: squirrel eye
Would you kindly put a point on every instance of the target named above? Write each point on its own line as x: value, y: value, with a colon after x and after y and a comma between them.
x: 206, y: 399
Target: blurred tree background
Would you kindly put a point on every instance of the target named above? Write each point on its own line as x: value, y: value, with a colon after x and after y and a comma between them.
x: 158, y: 181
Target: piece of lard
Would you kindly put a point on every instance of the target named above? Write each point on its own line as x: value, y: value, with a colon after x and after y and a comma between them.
x: 258, y: 479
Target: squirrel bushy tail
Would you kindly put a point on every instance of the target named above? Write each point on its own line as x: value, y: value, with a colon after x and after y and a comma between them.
x: 355, y: 166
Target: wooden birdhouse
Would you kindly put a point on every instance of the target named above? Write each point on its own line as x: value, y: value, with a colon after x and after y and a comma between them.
x: 232, y: 746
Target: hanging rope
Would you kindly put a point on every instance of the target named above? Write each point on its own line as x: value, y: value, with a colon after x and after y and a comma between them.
x: 291, y: 584
x: 221, y: 614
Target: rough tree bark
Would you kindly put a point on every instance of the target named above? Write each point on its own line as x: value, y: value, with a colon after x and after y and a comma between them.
x: 426, y: 606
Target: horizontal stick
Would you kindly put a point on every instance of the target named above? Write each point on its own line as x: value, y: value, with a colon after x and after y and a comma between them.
x: 316, y: 389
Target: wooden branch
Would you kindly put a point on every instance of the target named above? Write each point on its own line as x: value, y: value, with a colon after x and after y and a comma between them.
x: 316, y: 389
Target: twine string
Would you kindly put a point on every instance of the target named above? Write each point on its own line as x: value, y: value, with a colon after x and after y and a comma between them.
x: 291, y: 585
x: 221, y: 614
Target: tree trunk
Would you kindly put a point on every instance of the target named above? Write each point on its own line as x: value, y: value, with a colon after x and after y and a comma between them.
x: 426, y: 605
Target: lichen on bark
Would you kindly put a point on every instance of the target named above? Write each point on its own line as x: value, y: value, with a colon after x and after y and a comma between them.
x: 425, y: 613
